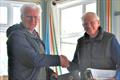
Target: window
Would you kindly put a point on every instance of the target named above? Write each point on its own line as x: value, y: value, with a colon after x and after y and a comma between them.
x: 16, y: 17
x: 3, y: 15
x: 3, y: 54
x: 71, y: 29
x: 3, y: 38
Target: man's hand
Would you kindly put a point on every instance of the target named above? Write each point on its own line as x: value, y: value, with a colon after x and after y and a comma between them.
x: 64, y: 61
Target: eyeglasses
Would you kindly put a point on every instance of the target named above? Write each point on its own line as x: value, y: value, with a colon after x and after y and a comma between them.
x: 32, y: 17
x: 90, y: 22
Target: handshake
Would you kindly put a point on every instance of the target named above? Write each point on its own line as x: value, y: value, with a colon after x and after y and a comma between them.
x: 64, y: 61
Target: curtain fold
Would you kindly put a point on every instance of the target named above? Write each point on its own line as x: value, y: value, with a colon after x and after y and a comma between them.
x: 104, y: 9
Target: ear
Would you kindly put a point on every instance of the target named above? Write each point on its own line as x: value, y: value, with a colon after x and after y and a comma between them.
x: 98, y: 22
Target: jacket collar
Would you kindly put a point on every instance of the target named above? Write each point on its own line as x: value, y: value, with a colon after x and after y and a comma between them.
x: 33, y: 34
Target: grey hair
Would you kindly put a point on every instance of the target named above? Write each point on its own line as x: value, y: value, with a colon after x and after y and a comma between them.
x: 30, y: 5
x: 89, y: 14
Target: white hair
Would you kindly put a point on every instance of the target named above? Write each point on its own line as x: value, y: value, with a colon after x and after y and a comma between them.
x: 89, y: 14
x: 30, y: 5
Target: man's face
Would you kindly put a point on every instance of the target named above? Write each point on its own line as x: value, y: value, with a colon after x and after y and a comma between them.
x: 30, y: 18
x: 91, y: 25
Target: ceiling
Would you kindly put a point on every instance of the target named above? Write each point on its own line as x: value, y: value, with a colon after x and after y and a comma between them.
x: 57, y: 1
x: 36, y: 1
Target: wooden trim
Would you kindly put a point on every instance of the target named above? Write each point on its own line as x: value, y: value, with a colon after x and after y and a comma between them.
x: 4, y: 77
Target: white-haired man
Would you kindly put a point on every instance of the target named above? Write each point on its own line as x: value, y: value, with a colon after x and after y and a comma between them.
x: 26, y: 55
x: 96, y: 49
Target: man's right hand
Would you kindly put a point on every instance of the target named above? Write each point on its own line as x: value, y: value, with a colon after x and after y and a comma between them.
x: 64, y: 61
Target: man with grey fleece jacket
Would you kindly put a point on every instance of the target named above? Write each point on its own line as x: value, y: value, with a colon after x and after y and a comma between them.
x: 26, y: 53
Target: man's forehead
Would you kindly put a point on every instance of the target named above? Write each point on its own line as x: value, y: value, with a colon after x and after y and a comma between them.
x: 90, y: 18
